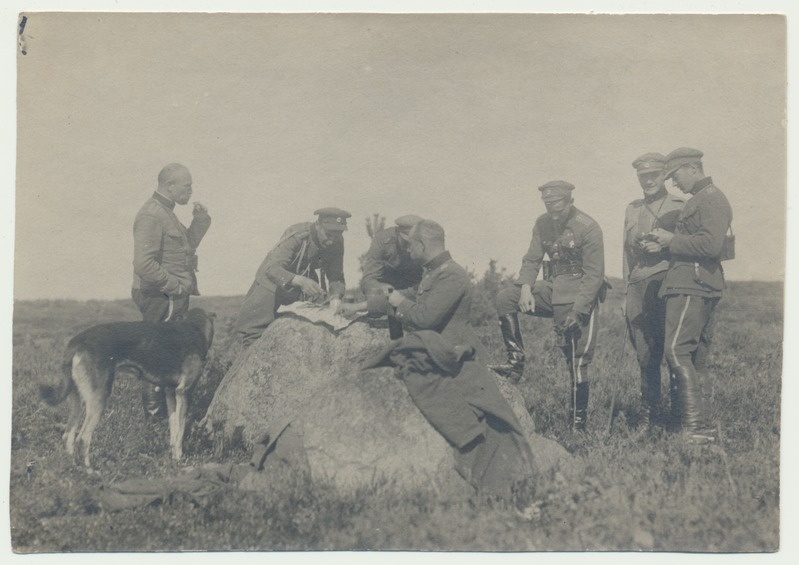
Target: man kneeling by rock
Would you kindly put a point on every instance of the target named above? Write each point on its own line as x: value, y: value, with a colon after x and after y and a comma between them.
x: 440, y: 365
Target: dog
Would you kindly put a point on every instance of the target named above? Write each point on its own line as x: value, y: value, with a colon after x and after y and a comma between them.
x: 169, y: 354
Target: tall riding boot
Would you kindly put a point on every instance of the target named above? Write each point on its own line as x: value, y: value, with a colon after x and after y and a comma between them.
x: 650, y: 395
x: 512, y: 336
x: 578, y: 399
x: 694, y: 421
x: 578, y: 406
x: 154, y: 401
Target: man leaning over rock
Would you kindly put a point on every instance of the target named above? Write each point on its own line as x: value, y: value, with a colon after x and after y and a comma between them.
x: 308, y: 257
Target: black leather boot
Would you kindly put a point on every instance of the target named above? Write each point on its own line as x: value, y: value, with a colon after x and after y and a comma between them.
x: 578, y: 407
x: 694, y: 421
x: 650, y: 396
x: 154, y: 401
x: 512, y: 336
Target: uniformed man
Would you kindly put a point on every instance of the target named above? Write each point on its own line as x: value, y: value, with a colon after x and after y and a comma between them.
x: 443, y: 299
x: 164, y: 260
x: 289, y: 272
x: 387, y: 265
x: 568, y: 292
x: 462, y: 402
x: 645, y: 263
x: 693, y: 286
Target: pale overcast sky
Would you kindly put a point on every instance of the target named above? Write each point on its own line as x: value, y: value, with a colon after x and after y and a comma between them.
x: 457, y: 118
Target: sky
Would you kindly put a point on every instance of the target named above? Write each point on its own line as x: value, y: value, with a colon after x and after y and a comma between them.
x: 454, y: 117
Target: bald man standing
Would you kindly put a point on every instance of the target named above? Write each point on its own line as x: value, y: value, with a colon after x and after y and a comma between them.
x: 164, y: 260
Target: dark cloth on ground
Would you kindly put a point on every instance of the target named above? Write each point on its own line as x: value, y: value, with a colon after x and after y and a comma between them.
x: 197, y: 483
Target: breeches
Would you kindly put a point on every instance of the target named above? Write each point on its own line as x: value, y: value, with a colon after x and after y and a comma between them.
x: 577, y: 346
x: 646, y: 319
x: 690, y: 322
x: 259, y: 309
x: 158, y: 307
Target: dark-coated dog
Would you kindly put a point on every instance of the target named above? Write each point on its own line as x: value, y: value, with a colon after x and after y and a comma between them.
x: 169, y: 354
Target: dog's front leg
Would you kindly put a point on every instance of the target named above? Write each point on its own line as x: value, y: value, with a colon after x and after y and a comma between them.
x: 171, y: 410
x: 181, y: 413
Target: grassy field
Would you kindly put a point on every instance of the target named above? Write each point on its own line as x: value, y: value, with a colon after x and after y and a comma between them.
x: 629, y: 489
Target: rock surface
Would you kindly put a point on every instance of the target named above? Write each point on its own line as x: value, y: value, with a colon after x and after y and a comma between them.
x: 354, y: 427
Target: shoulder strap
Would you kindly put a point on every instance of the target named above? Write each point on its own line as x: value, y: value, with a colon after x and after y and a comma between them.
x: 654, y: 215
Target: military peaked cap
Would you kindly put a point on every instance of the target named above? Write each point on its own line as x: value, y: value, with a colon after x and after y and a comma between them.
x: 408, y: 221
x: 649, y: 163
x: 555, y: 190
x: 333, y: 218
x: 681, y: 156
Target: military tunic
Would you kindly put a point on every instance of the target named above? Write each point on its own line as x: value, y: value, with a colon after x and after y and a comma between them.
x: 576, y: 251
x: 643, y: 275
x: 387, y: 262
x: 297, y: 253
x: 164, y: 263
x: 443, y: 303
x: 164, y: 260
x: 695, y: 279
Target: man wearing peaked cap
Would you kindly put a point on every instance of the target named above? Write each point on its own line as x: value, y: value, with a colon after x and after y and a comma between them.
x: 405, y: 223
x: 568, y: 292
x: 645, y: 263
x: 387, y: 266
x: 334, y: 219
x: 388, y: 263
x: 693, y: 287
x: 306, y: 264
x: 556, y: 190
x: 682, y: 156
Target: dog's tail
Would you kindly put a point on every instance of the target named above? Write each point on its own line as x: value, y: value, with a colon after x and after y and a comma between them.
x: 55, y: 394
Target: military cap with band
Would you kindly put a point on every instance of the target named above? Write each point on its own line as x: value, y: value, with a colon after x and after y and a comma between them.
x: 649, y: 163
x: 681, y: 156
x: 407, y: 221
x: 556, y: 190
x: 333, y: 218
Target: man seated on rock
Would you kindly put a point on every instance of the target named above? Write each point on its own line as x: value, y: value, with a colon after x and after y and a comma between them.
x: 441, y: 369
x: 443, y: 298
x: 289, y: 272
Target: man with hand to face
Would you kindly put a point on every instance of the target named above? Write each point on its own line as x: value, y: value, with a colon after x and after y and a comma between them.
x: 568, y: 293
x: 289, y: 272
x: 164, y: 260
x: 693, y: 287
x: 645, y: 263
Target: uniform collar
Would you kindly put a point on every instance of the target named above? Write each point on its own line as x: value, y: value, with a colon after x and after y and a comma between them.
x: 705, y: 182
x: 437, y: 261
x: 315, y: 236
x: 661, y: 194
x: 163, y: 200
x: 563, y: 221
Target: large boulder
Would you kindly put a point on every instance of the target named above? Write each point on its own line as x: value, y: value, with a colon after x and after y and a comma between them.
x: 301, y: 385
